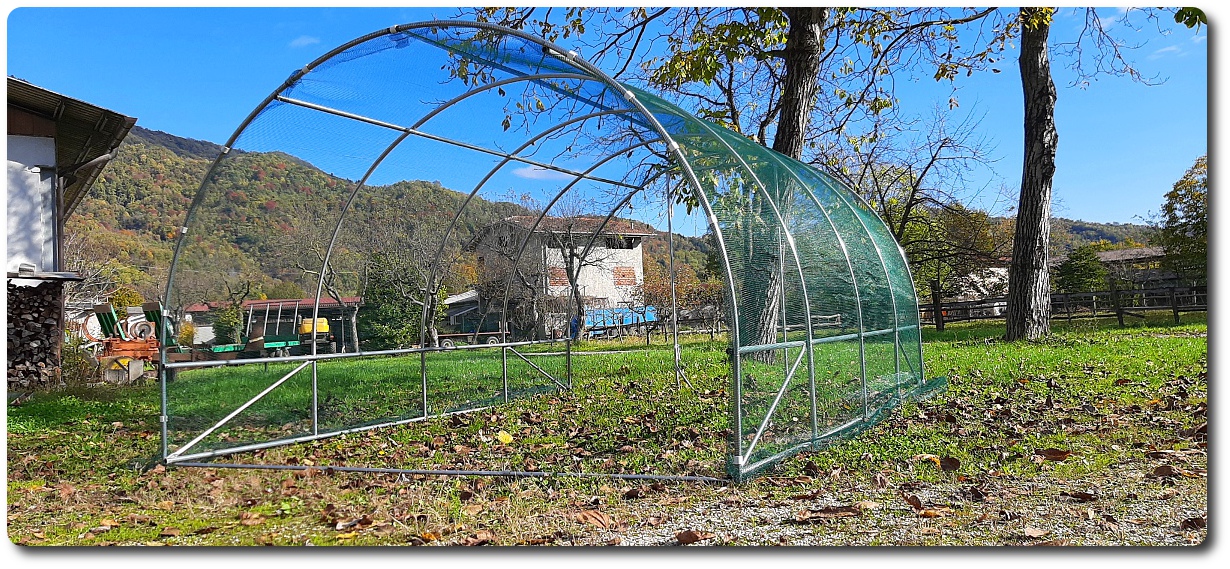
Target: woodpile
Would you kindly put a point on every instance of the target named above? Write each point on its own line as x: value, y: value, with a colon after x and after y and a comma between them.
x: 35, y: 334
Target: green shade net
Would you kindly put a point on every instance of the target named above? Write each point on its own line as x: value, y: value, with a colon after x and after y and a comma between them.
x: 500, y: 139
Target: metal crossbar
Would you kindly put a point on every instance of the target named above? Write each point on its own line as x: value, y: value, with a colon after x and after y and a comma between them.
x: 446, y: 140
x: 236, y: 412
x: 540, y: 370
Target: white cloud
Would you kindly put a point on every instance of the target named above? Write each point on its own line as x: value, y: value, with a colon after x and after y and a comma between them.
x: 304, y: 41
x: 1159, y: 53
x: 536, y: 173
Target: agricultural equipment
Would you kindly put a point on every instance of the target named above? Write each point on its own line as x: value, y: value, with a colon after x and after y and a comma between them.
x: 128, y: 343
x: 274, y: 332
x: 319, y: 334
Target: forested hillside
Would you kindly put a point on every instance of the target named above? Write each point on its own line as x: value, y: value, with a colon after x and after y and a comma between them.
x: 267, y: 220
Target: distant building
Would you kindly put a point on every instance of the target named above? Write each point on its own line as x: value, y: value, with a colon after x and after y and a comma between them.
x: 1135, y: 268
x: 277, y: 317
x: 57, y: 146
x: 606, y: 278
x: 609, y: 276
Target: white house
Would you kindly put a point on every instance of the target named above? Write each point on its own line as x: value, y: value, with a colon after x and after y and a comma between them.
x: 57, y: 146
x: 607, y: 276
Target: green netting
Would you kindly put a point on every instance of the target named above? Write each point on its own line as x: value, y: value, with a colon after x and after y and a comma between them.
x: 538, y: 183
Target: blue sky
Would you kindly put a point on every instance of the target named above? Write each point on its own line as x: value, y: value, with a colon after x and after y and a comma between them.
x: 198, y: 72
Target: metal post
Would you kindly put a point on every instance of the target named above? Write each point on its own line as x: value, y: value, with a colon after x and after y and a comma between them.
x: 781, y: 270
x: 504, y: 369
x: 1174, y: 305
x: 670, y: 252
x: 277, y: 330
x: 315, y: 403
x: 251, y: 315
x: 423, y: 373
x: 568, y: 361
x: 165, y: 416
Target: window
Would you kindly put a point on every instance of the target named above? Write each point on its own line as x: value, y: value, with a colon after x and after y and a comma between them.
x: 621, y: 242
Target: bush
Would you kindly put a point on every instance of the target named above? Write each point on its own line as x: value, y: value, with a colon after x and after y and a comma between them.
x: 123, y: 297
x: 77, y: 363
x: 187, y: 332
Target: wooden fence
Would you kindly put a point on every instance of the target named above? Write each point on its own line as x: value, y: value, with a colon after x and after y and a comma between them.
x: 1117, y: 303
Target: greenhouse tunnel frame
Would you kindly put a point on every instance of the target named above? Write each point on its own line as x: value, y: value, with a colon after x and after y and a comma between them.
x: 741, y: 464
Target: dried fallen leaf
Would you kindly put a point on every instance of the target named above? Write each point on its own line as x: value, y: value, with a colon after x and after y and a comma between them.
x: 1054, y: 543
x: 691, y: 536
x: 913, y: 501
x: 1034, y: 532
x: 482, y: 537
x: 881, y: 481
x: 808, y: 496
x: 1165, y: 471
x: 1080, y: 496
x: 937, y: 512
x: 949, y: 464
x: 250, y: 518
x: 205, y: 530
x: 1053, y: 454
x: 1193, y: 523
x: 169, y: 532
x: 594, y: 517
x: 825, y: 513
x: 473, y: 509
x: 867, y: 505
x: 655, y: 521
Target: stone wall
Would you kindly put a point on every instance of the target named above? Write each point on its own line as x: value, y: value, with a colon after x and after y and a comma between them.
x: 35, y: 335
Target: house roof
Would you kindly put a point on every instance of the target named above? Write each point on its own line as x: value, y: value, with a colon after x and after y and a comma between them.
x: 272, y: 303
x: 83, y: 132
x: 1119, y: 255
x: 467, y: 296
x: 582, y: 224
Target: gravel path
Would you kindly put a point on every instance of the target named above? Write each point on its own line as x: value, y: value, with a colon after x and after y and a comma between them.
x: 1137, y: 509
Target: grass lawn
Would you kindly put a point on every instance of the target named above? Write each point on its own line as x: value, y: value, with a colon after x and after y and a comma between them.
x: 1094, y: 436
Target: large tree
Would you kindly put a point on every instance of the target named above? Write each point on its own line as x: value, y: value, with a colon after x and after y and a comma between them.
x: 1184, y: 231
x: 1029, y: 307
x: 794, y: 79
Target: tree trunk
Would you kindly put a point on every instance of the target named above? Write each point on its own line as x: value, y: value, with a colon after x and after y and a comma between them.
x: 802, y: 54
x: 937, y: 306
x: 804, y: 46
x: 1029, y: 307
x: 354, y: 327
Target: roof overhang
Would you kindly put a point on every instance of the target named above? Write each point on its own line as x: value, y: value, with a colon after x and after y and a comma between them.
x: 83, y: 134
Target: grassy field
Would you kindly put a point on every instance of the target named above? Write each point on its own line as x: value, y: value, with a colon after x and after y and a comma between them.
x: 1093, y: 436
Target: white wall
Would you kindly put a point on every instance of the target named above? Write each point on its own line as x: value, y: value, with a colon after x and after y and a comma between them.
x: 31, y: 203
x: 597, y: 277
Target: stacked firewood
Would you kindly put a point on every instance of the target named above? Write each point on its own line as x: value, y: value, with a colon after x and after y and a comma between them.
x: 35, y: 333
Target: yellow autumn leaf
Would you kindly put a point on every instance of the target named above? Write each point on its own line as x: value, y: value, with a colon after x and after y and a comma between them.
x: 504, y: 437
x: 349, y: 535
